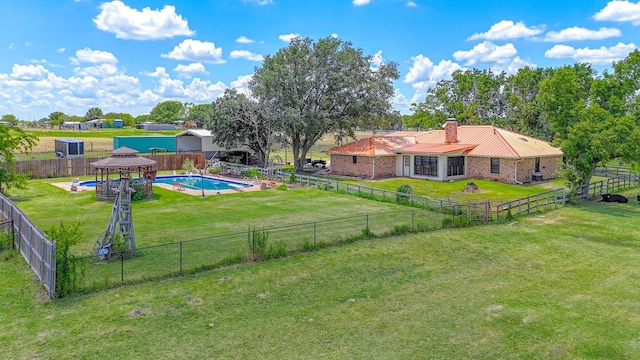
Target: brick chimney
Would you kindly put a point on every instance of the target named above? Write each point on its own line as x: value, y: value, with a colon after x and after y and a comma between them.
x: 451, y: 131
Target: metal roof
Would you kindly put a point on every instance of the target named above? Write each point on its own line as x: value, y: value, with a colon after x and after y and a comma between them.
x: 473, y: 140
x: 195, y: 132
x: 123, y: 158
x: 373, y: 146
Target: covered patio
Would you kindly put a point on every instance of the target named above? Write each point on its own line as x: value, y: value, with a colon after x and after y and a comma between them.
x: 123, y: 162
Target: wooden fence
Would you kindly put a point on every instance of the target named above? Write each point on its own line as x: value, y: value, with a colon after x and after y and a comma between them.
x: 38, y: 251
x: 52, y: 168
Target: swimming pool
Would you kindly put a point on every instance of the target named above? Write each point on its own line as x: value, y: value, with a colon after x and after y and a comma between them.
x: 192, y: 182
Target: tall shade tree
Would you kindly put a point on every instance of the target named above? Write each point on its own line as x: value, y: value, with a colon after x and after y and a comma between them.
x: 200, y: 114
x: 93, y: 114
x: 13, y: 139
x: 56, y: 118
x: 237, y: 121
x: 9, y: 118
x: 127, y: 119
x: 167, y: 112
x: 322, y: 87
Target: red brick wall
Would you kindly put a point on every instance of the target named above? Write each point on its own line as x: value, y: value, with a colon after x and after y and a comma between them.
x: 343, y: 165
x: 480, y: 168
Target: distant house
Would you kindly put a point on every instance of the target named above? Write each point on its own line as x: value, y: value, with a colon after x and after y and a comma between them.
x: 457, y: 152
x: 201, y: 140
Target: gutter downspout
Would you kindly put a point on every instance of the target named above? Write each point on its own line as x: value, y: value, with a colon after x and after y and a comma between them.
x: 515, y: 175
x: 373, y: 172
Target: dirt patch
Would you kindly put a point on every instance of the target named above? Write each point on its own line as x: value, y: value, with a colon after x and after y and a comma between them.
x: 544, y: 220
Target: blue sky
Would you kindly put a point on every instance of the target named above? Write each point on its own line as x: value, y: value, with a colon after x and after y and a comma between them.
x: 129, y: 55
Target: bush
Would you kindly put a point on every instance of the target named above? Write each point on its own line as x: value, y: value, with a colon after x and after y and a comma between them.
x: 282, y: 187
x: 457, y: 221
x: 257, y: 241
x: 187, y: 165
x: 5, y: 240
x: 69, y: 267
x: 215, y: 170
x: 404, y: 191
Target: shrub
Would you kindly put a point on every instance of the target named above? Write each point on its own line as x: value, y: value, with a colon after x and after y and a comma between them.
x: 292, y: 177
x: 276, y: 250
x: 187, y: 165
x: 257, y: 241
x: 282, y: 187
x: 5, y: 240
x: 404, y: 191
x: 215, y: 170
x: 69, y: 267
x: 139, y: 194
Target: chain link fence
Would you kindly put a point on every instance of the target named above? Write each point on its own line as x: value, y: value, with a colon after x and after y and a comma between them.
x: 254, y: 244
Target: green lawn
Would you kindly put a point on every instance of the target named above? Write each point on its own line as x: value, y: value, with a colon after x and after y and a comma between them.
x: 489, y: 190
x: 173, y: 216
x: 558, y: 285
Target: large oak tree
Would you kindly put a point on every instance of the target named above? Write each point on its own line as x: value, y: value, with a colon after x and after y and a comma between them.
x: 317, y: 87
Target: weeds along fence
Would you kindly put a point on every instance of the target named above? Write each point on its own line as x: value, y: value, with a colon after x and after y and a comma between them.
x: 254, y: 244
x: 608, y: 185
x: 35, y: 248
x: 51, y: 168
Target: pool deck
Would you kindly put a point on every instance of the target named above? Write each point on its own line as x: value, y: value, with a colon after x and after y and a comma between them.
x: 255, y: 186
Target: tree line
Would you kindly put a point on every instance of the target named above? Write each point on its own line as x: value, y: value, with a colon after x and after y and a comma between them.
x: 593, y: 118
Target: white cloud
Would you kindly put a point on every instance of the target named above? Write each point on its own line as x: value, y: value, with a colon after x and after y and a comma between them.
x: 334, y: 35
x: 60, y: 50
x: 188, y: 71
x: 259, y: 2
x: 361, y: 2
x: 511, y: 67
x: 244, y: 40
x: 288, y: 37
x: 423, y: 74
x: 12, y: 46
x: 35, y: 61
x: 128, y: 23
x: 29, y: 72
x: 577, y: 33
x: 622, y: 11
x: 507, y: 29
x: 600, y: 56
x: 411, y: 4
x: 159, y: 72
x: 102, y: 70
x: 377, y: 60
x: 400, y: 102
x: 241, y: 84
x: 93, y: 56
x: 245, y: 54
x: 197, y: 51
x: 487, y: 52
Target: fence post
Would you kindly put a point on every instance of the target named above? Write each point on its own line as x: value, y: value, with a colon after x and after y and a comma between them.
x: 122, y: 267
x: 314, y: 234
x: 367, y: 221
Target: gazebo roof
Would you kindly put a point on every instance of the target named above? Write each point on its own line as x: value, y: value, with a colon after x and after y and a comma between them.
x: 123, y: 157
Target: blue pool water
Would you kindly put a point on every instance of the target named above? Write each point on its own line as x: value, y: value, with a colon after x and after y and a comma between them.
x: 193, y: 182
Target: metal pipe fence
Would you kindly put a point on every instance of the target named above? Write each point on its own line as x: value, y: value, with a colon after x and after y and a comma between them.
x: 33, y: 245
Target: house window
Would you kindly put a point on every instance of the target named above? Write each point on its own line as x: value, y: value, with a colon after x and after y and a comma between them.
x: 455, y: 166
x: 537, y: 165
x: 425, y: 165
x: 495, y: 165
x: 407, y: 160
x: 354, y: 159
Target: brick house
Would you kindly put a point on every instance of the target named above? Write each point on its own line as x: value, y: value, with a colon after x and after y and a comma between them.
x: 457, y: 152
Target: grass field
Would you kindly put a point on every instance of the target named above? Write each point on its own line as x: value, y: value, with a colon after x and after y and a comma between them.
x: 562, y: 285
x: 173, y: 216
